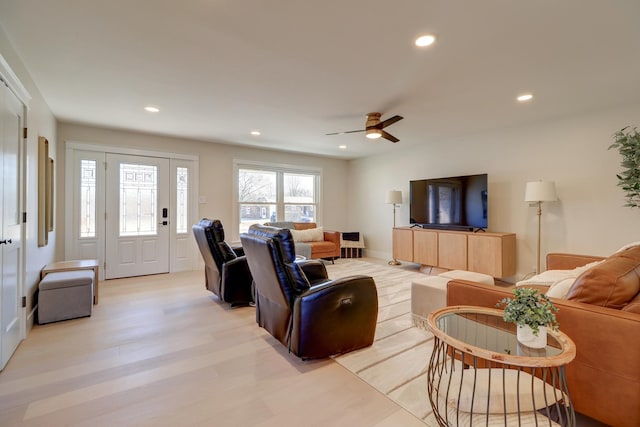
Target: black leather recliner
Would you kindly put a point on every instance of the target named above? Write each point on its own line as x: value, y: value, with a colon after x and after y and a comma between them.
x: 297, y: 303
x: 226, y: 270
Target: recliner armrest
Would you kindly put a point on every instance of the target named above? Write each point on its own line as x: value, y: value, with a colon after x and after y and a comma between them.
x: 314, y: 270
x: 330, y: 295
x: 236, y: 281
x: 335, y: 317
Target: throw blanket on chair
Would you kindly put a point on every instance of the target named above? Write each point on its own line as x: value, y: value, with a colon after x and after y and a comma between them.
x: 303, y: 249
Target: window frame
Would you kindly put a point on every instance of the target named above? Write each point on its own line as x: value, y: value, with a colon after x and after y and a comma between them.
x: 280, y: 170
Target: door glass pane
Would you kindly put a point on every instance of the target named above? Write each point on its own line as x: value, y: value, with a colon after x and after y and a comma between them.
x: 138, y: 201
x: 182, y: 189
x: 87, y: 198
x: 256, y: 186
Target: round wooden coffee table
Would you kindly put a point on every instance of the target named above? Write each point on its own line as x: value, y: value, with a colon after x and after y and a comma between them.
x: 479, y: 374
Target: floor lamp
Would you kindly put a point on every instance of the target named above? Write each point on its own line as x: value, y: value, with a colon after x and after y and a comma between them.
x: 394, y: 197
x: 538, y: 192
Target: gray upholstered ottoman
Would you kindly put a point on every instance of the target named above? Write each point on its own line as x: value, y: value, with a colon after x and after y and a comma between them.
x: 65, y: 295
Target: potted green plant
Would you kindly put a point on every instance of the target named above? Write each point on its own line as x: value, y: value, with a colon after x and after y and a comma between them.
x: 533, y: 313
x: 627, y: 141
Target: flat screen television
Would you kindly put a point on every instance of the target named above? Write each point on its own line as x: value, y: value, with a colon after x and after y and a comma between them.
x: 456, y: 203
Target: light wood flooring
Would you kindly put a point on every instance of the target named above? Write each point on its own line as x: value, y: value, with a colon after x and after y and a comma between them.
x: 162, y: 351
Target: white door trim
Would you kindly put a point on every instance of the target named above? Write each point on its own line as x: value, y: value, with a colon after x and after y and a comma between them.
x: 14, y: 84
x: 72, y: 146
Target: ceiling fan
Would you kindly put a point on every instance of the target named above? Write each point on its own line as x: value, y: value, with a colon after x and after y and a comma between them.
x: 374, y: 127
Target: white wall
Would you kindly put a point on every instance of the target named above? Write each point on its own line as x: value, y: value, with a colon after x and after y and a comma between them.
x: 40, y: 122
x: 216, y: 171
x: 573, y: 152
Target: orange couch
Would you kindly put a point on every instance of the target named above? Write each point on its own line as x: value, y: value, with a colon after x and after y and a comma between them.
x: 604, y: 378
x: 329, y: 248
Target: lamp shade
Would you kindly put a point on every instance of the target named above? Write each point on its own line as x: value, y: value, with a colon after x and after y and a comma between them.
x: 394, y: 197
x: 540, y: 191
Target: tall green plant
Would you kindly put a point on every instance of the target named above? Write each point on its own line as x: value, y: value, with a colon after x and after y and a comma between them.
x: 627, y: 141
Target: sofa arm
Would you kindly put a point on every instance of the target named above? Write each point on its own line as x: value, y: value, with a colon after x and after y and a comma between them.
x: 332, y: 236
x: 560, y: 261
x: 336, y: 316
x: 236, y: 286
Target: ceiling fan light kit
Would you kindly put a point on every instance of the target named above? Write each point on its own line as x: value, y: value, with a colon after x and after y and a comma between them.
x: 374, y: 127
x: 373, y: 134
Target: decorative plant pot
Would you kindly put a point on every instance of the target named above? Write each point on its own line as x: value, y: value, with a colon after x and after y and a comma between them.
x: 527, y: 337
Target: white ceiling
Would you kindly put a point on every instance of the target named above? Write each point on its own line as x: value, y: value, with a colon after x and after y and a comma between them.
x: 296, y: 69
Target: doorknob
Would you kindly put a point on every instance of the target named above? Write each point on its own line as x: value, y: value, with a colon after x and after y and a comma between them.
x: 2, y: 242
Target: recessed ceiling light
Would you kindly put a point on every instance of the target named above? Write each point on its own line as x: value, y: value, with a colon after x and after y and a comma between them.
x: 255, y: 132
x: 525, y: 97
x: 425, y: 40
x: 151, y: 109
x: 342, y: 147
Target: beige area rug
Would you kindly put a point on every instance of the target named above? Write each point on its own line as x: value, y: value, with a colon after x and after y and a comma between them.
x: 396, y: 363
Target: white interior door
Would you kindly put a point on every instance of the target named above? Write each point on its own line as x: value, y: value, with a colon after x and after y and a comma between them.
x: 11, y: 123
x: 137, y: 215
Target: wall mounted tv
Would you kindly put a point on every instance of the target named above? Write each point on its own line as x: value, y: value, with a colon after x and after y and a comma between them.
x: 456, y: 203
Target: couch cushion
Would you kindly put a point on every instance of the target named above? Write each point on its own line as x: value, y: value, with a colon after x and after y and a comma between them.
x: 612, y: 283
x: 280, y: 224
x: 468, y: 275
x: 634, y: 305
x: 304, y: 225
x: 66, y: 279
x: 309, y: 235
x: 322, y: 246
x: 560, y: 288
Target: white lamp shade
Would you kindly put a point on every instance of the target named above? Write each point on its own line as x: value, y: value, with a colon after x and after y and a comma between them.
x: 540, y: 191
x: 394, y: 197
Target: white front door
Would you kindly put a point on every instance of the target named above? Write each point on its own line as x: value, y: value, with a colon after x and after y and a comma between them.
x: 137, y: 215
x: 11, y: 123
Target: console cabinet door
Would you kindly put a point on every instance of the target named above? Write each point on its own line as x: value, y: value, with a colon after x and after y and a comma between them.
x: 425, y: 247
x: 403, y: 244
x: 452, y: 251
x: 493, y: 255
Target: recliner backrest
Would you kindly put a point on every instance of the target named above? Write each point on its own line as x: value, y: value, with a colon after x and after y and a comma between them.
x: 204, y: 239
x: 215, y: 251
x: 279, y: 246
x: 214, y: 234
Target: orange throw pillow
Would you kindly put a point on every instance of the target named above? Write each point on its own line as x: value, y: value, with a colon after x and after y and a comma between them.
x: 613, y: 283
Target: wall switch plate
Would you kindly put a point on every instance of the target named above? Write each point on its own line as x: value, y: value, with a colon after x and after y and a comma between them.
x: 202, y: 199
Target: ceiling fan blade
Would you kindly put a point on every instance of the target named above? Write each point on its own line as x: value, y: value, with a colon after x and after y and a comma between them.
x: 390, y: 121
x: 389, y: 137
x: 348, y: 131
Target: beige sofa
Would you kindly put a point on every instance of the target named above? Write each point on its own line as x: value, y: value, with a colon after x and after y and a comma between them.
x: 602, y: 316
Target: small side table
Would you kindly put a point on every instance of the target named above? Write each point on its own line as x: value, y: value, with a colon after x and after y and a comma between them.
x: 81, y: 264
x: 352, y: 246
x: 479, y: 374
